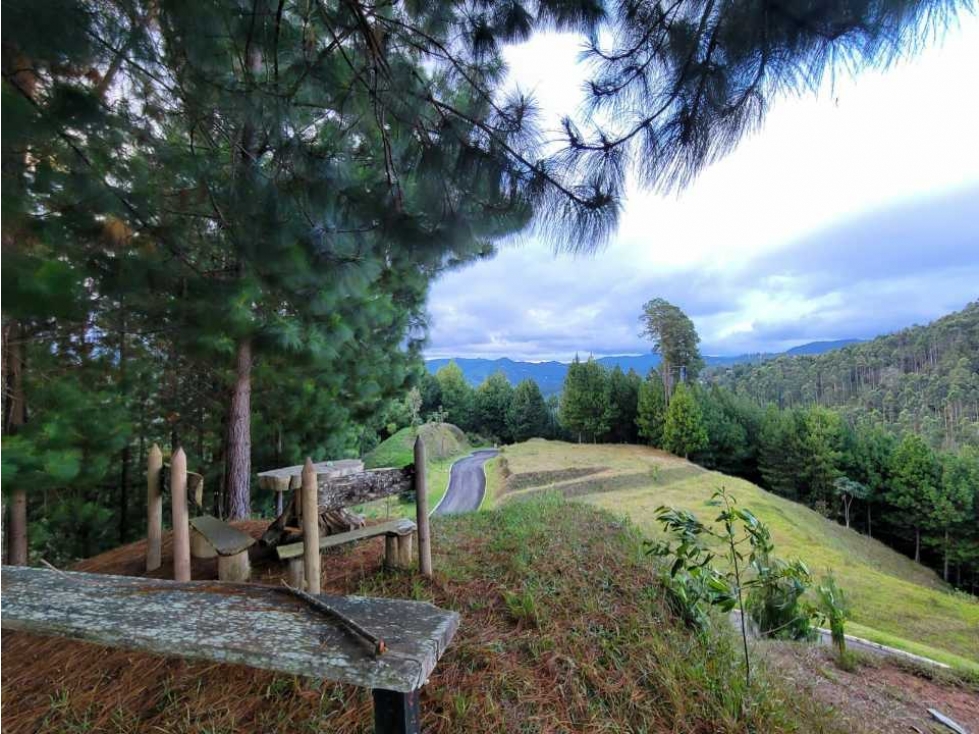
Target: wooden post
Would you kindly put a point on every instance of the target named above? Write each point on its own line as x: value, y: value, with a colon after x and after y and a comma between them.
x: 404, y: 550
x: 396, y: 713
x: 421, y: 507
x: 154, y: 508
x: 311, y: 528
x: 296, y: 572
x: 181, y: 521
x: 391, y: 559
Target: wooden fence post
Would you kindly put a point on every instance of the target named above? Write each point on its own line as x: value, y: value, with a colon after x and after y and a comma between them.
x: 421, y: 506
x: 311, y: 528
x: 154, y: 508
x: 181, y: 520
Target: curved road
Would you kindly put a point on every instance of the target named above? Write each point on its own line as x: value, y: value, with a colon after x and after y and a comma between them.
x: 467, y: 484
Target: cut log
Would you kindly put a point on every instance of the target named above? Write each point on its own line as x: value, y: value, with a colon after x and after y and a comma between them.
x: 364, y: 487
x: 235, y: 568
x: 404, y: 550
x: 199, y: 546
x: 391, y: 559
x: 339, y: 520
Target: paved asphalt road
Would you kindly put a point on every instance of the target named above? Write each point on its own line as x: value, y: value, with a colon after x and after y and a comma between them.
x: 467, y: 484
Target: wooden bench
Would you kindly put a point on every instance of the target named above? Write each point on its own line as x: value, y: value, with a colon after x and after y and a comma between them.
x: 210, y: 537
x: 320, y: 500
x: 259, y: 626
x: 397, y: 547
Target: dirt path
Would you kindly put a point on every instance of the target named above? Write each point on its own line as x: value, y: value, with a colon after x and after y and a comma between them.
x: 467, y: 484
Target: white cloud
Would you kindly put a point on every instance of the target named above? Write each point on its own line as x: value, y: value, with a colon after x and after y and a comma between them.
x: 871, y: 143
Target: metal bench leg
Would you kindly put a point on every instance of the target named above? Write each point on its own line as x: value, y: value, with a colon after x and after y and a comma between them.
x: 396, y: 713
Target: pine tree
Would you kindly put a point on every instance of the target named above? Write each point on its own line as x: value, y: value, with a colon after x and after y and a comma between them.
x: 457, y: 396
x: 684, y: 432
x: 953, y: 502
x: 651, y: 409
x: 585, y: 400
x: 914, y: 487
x: 819, y: 451
x: 779, y: 453
x: 528, y: 416
x: 623, y: 400
x: 675, y: 339
x: 491, y: 404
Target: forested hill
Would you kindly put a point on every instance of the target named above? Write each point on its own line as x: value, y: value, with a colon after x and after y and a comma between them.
x: 923, y: 379
x: 549, y: 376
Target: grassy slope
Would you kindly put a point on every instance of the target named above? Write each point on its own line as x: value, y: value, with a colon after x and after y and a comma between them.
x: 444, y: 443
x: 563, y: 629
x: 895, y: 601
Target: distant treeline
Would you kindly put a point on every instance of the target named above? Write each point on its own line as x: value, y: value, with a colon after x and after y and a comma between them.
x: 922, y: 380
x: 872, y: 476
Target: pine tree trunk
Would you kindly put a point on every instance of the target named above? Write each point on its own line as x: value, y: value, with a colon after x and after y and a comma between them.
x: 870, y: 532
x: 917, y: 545
x: 945, y: 564
x: 239, y: 437
x: 15, y: 416
x: 124, y: 470
x: 124, y: 496
x: 17, y: 531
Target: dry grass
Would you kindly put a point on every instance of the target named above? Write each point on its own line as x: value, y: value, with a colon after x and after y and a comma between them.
x: 563, y: 630
x: 896, y: 601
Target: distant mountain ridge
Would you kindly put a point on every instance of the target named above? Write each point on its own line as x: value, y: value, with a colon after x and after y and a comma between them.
x: 549, y: 376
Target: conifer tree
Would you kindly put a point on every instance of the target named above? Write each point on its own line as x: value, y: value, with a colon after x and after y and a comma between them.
x: 585, y: 400
x: 651, y: 409
x: 528, y: 416
x: 457, y: 396
x: 684, y: 432
x: 623, y: 399
x: 491, y: 405
x: 914, y: 487
x: 954, y: 498
x: 675, y: 339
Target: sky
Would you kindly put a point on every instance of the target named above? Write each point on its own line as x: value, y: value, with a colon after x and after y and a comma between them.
x: 851, y: 213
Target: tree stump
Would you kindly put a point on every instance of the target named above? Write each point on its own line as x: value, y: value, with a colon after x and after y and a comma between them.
x: 235, y: 567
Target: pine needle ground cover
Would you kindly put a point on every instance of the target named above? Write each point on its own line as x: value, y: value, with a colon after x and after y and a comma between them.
x: 895, y: 601
x: 563, y: 630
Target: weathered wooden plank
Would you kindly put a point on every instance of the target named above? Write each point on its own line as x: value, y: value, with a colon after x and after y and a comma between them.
x: 225, y: 539
x: 245, y: 624
x: 394, y: 527
x: 353, y: 489
x: 290, y: 477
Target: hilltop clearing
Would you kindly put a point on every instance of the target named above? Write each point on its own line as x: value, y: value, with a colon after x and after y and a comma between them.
x: 563, y: 629
x: 895, y: 601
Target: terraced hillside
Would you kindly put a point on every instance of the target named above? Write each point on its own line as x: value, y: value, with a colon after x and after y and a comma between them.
x: 895, y: 600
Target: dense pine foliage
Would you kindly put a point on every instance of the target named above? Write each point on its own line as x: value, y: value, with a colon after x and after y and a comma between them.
x: 221, y: 218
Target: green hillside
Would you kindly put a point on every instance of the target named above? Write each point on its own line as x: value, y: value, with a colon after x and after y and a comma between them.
x: 444, y: 443
x: 923, y: 379
x: 895, y: 600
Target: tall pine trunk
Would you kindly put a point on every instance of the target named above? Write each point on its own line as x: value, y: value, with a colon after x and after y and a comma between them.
x: 238, y: 457
x: 945, y: 569
x: 917, y: 545
x: 239, y: 454
x: 15, y: 417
